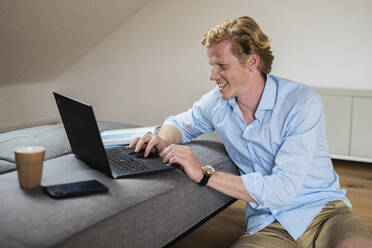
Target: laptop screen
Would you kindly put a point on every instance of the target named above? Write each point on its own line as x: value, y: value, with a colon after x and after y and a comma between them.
x: 82, y: 132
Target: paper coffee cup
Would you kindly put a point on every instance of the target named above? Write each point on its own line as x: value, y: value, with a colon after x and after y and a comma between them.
x: 29, y: 161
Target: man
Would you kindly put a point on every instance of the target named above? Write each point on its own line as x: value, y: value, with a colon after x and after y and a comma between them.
x: 274, y: 131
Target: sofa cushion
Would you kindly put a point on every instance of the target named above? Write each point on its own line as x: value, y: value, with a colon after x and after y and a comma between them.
x: 209, y: 149
x: 6, y: 167
x: 52, y: 137
x: 32, y: 219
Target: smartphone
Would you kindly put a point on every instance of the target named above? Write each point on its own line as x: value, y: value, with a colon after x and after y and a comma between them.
x: 75, y: 189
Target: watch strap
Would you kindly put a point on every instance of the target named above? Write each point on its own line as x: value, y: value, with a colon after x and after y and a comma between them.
x: 205, y: 179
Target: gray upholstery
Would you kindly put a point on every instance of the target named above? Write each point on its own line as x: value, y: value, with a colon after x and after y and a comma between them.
x: 143, y: 211
x: 52, y: 137
x: 72, y: 215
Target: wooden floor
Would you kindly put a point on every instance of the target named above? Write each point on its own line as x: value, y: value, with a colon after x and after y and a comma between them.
x: 228, y: 226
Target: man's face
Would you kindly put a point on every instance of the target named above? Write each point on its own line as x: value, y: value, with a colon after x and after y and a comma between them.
x: 231, y: 76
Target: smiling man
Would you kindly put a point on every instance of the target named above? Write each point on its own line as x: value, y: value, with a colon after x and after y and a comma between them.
x: 274, y: 131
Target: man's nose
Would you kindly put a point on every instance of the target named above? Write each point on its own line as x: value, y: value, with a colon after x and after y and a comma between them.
x: 215, y: 74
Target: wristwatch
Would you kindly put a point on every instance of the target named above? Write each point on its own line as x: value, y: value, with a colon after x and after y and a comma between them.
x: 208, y: 171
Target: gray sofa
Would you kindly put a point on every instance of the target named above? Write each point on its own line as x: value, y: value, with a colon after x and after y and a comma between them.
x: 144, y: 211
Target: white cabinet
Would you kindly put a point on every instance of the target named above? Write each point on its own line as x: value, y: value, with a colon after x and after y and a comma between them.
x: 361, y: 139
x: 348, y: 123
x: 338, y: 115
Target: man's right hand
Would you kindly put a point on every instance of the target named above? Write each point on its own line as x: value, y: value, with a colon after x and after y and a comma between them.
x: 149, y: 142
x: 167, y: 135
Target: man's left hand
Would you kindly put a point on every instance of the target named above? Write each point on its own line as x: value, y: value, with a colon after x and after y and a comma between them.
x: 185, y: 158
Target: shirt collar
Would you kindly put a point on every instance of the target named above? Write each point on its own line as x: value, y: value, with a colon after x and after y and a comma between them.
x: 268, y: 97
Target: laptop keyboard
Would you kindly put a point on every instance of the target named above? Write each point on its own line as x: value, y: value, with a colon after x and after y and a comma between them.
x: 121, y: 162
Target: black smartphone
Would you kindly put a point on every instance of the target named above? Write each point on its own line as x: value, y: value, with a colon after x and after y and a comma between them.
x: 67, y: 190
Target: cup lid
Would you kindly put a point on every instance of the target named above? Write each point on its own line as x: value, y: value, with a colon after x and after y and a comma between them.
x: 29, y: 149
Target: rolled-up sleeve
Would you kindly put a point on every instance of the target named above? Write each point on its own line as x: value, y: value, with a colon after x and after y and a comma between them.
x: 293, y: 160
x: 196, y: 120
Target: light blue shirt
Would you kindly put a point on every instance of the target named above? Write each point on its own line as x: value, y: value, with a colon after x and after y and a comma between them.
x: 282, y: 155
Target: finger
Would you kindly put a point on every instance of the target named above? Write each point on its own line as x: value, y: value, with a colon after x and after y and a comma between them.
x: 182, y: 151
x: 168, y: 155
x: 168, y: 149
x: 151, y: 146
x: 175, y: 160
x: 142, y: 142
x: 133, y: 143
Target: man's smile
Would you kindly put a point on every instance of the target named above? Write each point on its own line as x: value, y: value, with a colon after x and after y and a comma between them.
x: 222, y: 85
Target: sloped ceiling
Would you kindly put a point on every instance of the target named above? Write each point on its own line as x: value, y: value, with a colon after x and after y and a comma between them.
x: 41, y: 39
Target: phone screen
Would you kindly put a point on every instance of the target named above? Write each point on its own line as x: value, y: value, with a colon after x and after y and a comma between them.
x: 75, y: 189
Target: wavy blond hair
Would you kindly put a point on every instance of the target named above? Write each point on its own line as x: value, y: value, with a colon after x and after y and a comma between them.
x: 247, y: 38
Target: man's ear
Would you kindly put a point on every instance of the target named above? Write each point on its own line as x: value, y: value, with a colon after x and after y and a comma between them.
x: 253, y: 61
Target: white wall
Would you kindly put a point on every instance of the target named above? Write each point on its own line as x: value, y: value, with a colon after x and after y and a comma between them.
x: 323, y: 43
x: 154, y: 64
x: 24, y: 105
x: 42, y: 39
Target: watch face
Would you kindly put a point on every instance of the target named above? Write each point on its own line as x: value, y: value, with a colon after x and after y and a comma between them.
x: 209, y: 169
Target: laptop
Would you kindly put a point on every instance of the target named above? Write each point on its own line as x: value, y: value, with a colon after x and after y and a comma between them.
x: 86, y: 143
